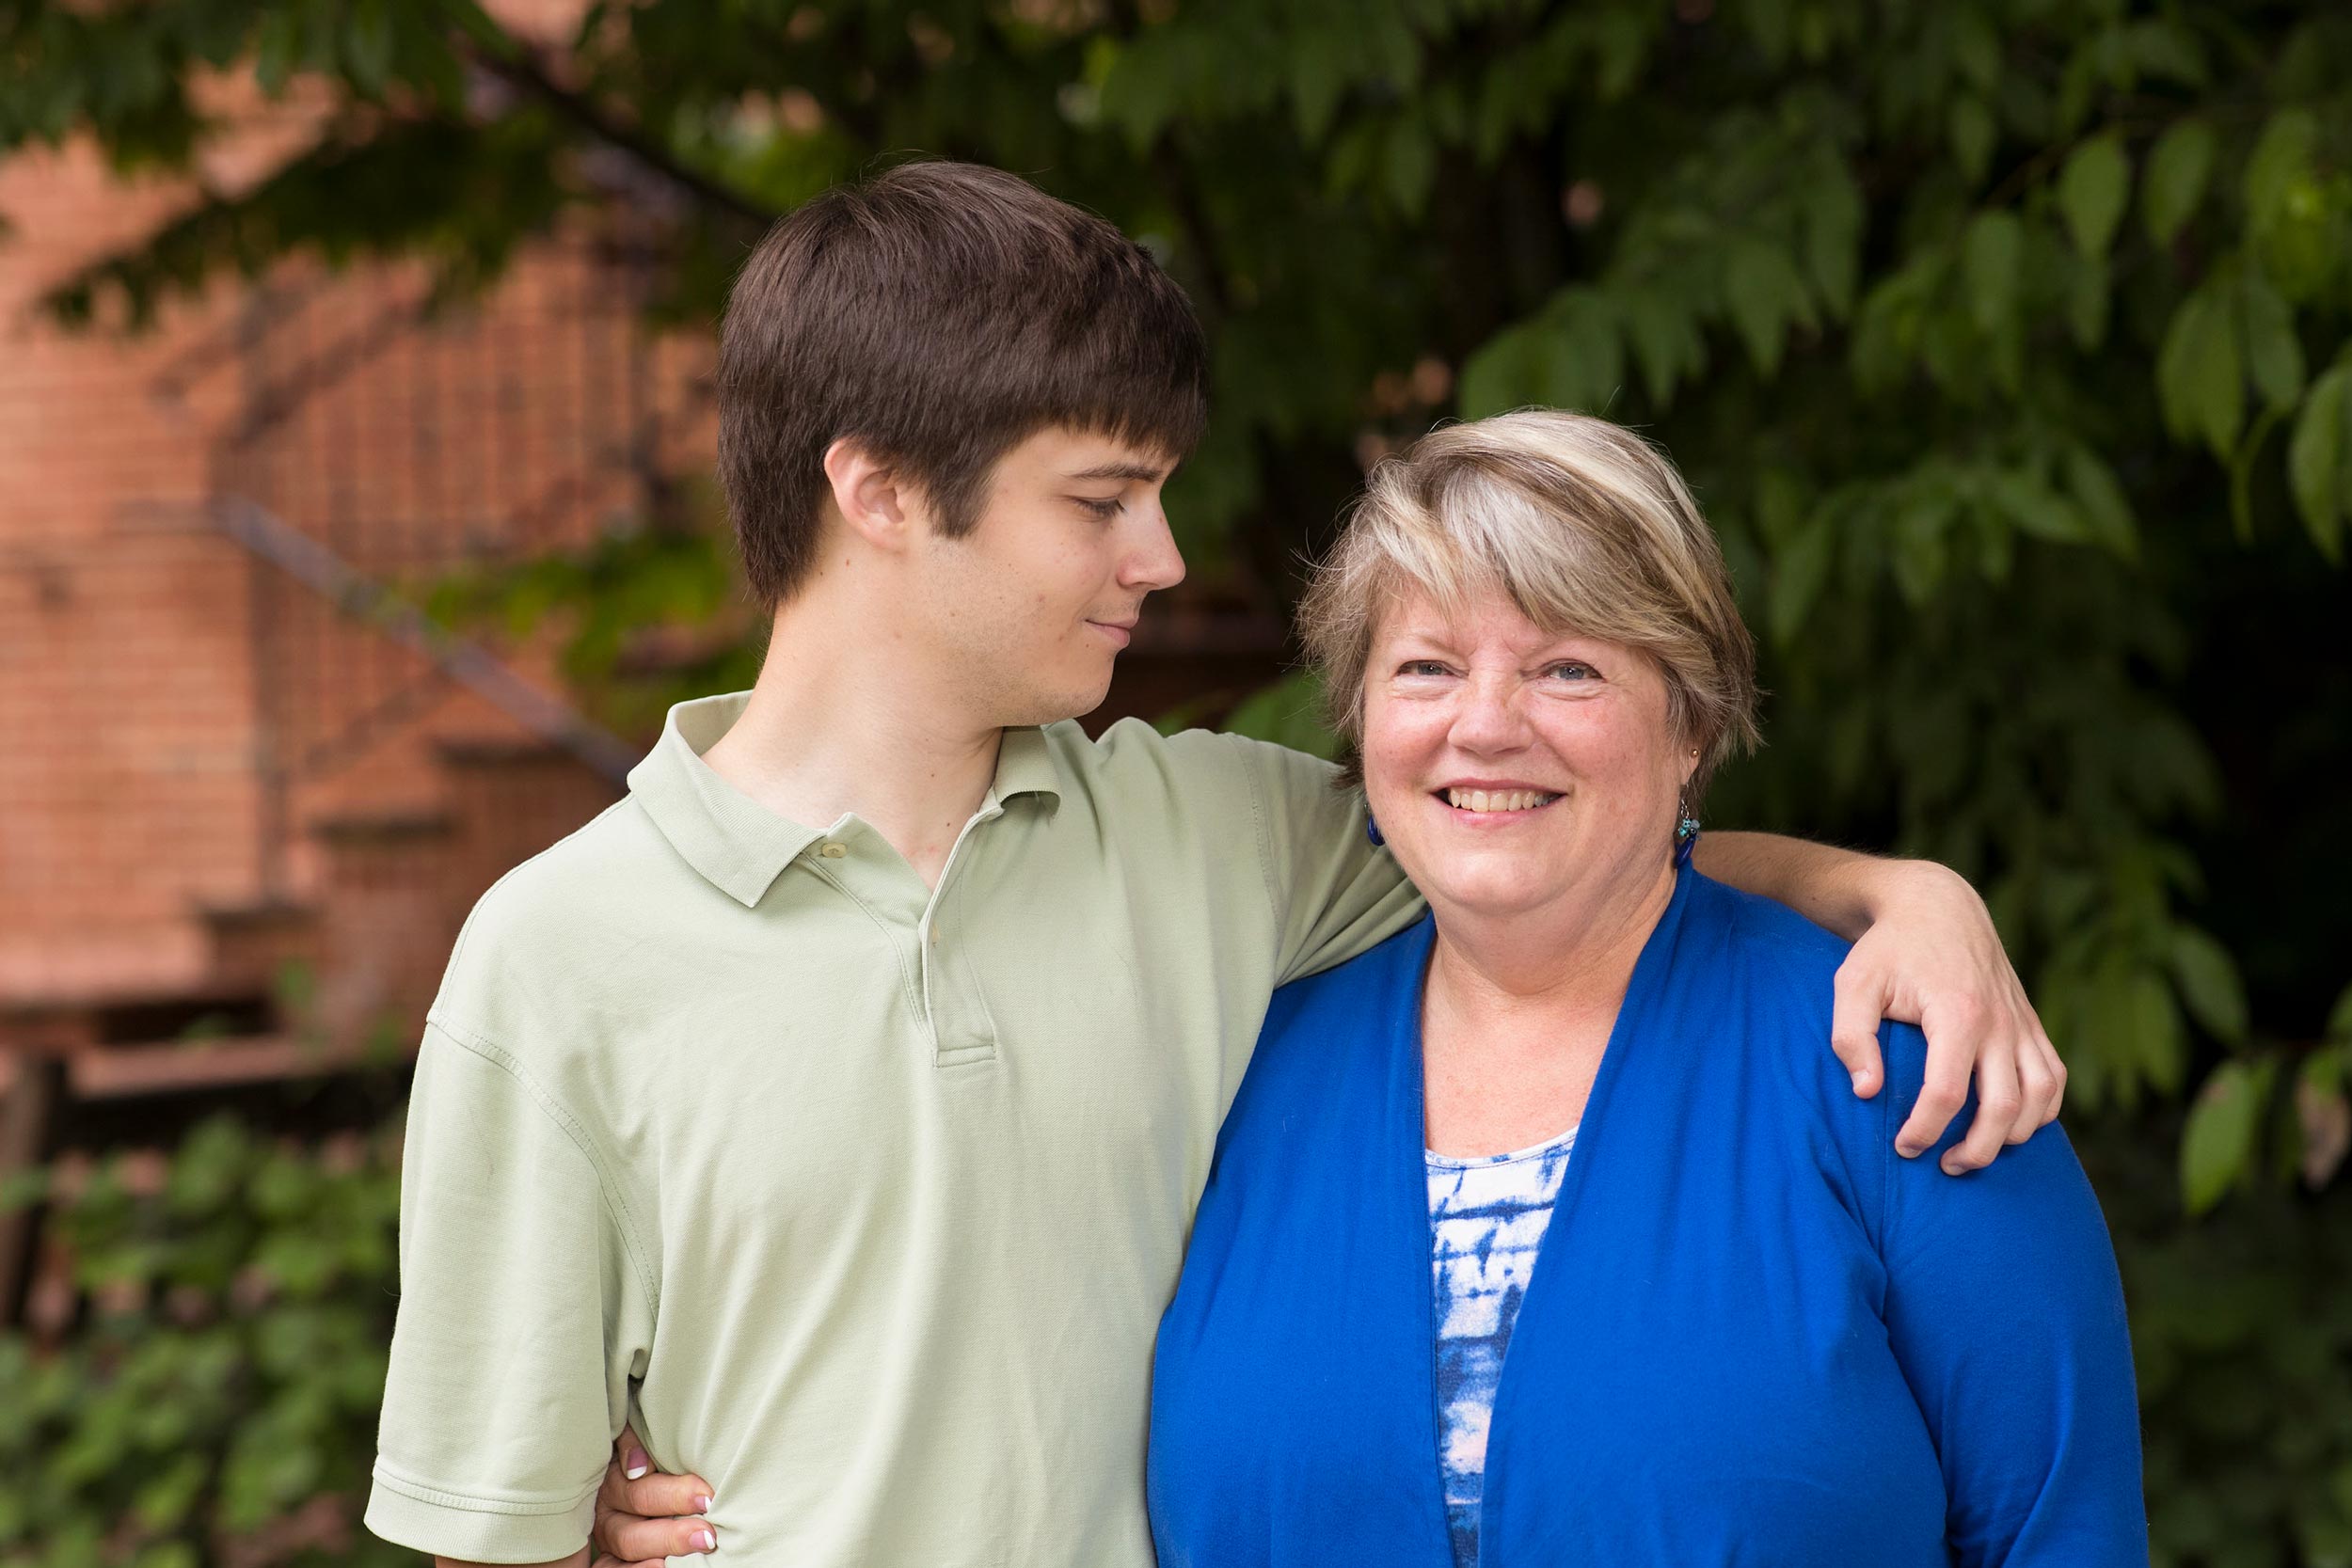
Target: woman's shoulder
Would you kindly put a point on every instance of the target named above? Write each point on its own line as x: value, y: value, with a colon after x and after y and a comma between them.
x: 1773, y: 938
x: 1787, y: 967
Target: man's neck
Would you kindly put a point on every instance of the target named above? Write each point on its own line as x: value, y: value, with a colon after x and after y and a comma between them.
x: 837, y: 723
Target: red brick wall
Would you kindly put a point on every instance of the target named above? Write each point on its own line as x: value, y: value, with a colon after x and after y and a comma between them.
x: 132, y: 708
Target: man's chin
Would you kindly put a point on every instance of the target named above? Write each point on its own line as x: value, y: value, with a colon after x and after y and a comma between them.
x: 1052, y: 708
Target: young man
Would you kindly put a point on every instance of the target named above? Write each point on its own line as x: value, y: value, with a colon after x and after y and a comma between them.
x: 836, y: 1105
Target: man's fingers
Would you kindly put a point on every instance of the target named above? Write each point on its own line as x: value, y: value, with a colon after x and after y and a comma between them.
x: 2039, y: 1085
x: 1853, y: 1029
x: 2055, y: 1064
x: 1941, y: 1096
x: 2000, y: 1102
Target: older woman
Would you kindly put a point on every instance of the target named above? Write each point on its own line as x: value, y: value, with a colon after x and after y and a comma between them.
x: 1583, y: 1115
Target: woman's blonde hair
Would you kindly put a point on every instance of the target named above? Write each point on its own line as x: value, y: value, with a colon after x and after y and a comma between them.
x: 1583, y: 525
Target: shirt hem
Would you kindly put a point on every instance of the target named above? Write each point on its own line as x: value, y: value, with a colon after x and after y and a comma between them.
x: 525, y: 1527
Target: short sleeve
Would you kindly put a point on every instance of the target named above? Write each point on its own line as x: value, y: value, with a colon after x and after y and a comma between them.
x: 1335, y: 894
x: 2005, y: 1312
x: 522, y: 1317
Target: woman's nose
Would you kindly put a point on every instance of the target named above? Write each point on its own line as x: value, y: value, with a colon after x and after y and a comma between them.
x: 1488, y: 719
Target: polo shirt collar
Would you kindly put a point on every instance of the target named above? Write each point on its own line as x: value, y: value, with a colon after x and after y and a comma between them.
x: 1024, y: 765
x: 740, y: 846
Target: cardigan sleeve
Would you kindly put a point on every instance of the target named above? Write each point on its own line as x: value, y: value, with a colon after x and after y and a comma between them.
x: 2005, y: 1312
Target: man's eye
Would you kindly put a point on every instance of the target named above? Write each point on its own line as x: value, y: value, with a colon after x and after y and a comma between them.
x: 1106, y: 510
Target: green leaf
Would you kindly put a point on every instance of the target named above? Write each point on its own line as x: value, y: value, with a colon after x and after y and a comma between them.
x: 1503, y: 374
x: 1990, y: 261
x: 1584, y: 365
x: 2340, y: 1020
x: 2033, y: 508
x: 1665, y: 334
x: 2155, y: 1030
x: 2319, y: 460
x: 1767, y: 296
x: 2272, y: 352
x: 2219, y: 1144
x: 1972, y: 133
x: 277, y: 43
x: 1289, y: 712
x: 2092, y: 191
x: 1834, y: 218
x: 1799, y: 570
x: 2208, y: 980
x: 1412, y: 164
x: 2087, y: 297
x: 367, y: 45
x: 2279, y: 163
x: 1922, y: 546
x: 2178, y: 169
x: 2198, y: 375
x: 2104, y: 507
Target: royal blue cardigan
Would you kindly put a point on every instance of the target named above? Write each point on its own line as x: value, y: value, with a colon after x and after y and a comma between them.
x: 1754, y: 1335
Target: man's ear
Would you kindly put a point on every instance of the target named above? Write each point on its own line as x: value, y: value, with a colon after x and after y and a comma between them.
x: 871, y: 495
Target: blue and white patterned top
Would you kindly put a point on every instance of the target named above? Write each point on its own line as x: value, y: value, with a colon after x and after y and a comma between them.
x: 1486, y: 1220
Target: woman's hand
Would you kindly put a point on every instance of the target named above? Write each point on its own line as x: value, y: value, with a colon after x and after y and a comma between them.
x: 1931, y: 954
x: 644, y: 1516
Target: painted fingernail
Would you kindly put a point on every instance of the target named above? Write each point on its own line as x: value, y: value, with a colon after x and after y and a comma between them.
x: 705, y: 1540
x: 638, y: 1465
x: 702, y: 1505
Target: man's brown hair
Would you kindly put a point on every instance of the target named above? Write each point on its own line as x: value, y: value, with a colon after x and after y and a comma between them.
x: 939, y: 313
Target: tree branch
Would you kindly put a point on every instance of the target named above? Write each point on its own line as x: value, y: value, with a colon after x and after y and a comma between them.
x: 517, y: 68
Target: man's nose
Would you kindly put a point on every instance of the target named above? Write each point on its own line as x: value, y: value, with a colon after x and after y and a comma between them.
x: 1153, y: 561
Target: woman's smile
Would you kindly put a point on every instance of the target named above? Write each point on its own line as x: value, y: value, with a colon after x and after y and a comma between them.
x: 1485, y: 804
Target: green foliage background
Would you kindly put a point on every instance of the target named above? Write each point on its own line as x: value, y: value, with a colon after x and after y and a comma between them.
x: 2004, y: 340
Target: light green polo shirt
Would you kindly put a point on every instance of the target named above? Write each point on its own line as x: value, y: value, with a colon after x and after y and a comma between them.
x: 863, y: 1200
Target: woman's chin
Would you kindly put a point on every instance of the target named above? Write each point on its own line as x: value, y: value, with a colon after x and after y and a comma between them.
x: 1497, y: 897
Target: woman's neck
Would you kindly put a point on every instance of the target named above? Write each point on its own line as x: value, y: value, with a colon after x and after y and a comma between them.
x: 1518, y: 1012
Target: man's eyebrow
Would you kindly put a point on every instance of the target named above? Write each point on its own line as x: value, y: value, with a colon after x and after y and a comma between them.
x: 1143, y: 471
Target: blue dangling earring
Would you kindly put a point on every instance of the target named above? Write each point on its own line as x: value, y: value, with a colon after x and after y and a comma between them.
x: 1371, y: 831
x: 1686, y: 828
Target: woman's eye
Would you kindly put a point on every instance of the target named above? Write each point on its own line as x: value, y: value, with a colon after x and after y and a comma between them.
x: 1571, y: 670
x: 1421, y: 667
x: 1106, y: 510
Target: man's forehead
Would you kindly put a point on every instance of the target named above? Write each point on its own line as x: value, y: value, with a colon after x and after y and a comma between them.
x: 1091, y: 455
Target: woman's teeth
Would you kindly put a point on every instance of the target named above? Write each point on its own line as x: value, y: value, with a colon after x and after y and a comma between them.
x: 1498, y: 799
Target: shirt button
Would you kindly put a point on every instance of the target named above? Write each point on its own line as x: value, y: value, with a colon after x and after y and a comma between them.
x: 833, y: 851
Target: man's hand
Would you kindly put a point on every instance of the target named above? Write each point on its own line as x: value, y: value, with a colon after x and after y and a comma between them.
x: 1931, y: 955
x: 644, y: 1516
